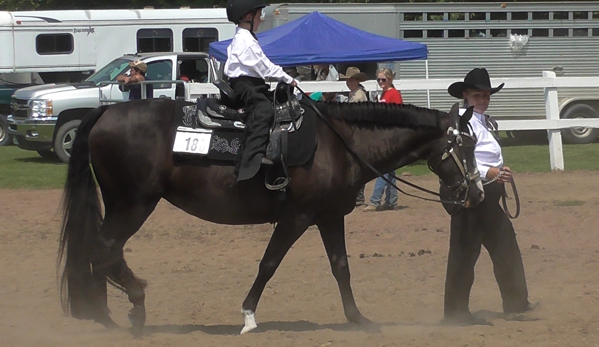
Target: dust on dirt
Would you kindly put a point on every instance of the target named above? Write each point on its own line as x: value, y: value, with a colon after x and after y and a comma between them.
x: 199, y: 274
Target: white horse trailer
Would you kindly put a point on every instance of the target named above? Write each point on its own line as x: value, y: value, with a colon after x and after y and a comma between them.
x: 519, y: 39
x: 82, y: 40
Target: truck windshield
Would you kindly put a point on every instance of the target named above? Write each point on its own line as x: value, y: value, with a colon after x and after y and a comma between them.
x: 109, y: 72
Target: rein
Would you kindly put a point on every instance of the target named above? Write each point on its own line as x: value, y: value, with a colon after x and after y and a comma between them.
x: 379, y: 174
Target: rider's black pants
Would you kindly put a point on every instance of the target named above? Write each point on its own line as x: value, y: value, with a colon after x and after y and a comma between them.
x: 486, y: 225
x: 252, y: 93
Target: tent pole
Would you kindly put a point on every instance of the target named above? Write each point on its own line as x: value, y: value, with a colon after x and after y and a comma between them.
x: 428, y: 92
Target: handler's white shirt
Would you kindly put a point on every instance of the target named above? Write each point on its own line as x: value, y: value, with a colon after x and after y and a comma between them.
x: 246, y: 58
x: 487, y: 151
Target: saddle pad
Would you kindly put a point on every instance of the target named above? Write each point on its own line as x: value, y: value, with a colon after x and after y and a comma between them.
x: 225, y: 144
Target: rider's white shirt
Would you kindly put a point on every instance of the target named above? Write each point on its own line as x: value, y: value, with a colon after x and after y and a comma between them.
x: 487, y: 151
x: 246, y: 58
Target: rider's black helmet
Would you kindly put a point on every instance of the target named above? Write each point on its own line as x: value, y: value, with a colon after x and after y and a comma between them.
x: 236, y: 9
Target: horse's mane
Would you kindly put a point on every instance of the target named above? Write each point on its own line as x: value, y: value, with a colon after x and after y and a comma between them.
x: 381, y: 114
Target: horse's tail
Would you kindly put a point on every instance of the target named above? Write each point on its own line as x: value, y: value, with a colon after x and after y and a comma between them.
x: 82, y: 218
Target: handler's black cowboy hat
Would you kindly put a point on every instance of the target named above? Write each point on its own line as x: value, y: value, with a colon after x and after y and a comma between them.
x: 478, y: 78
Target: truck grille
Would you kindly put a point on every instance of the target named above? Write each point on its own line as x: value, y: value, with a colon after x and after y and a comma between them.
x: 19, y: 108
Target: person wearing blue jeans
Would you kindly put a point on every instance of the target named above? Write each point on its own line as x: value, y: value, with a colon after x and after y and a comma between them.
x: 382, y: 187
x: 389, y: 95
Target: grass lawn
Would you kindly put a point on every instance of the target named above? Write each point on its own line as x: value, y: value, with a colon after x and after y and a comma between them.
x: 20, y: 169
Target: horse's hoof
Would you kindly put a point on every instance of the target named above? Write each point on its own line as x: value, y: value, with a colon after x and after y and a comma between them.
x: 250, y: 321
x: 372, y: 327
x: 137, y: 318
x: 108, y: 323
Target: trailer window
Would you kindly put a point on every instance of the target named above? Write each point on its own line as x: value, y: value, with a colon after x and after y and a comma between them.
x: 455, y: 33
x: 410, y: 17
x: 560, y: 15
x: 595, y: 14
x: 498, y: 16
x: 498, y: 32
x: 477, y: 33
x: 411, y: 34
x: 519, y: 15
x: 580, y: 32
x: 540, y: 32
x: 154, y: 40
x: 54, y: 44
x: 434, y: 33
x: 434, y: 16
x: 456, y: 16
x: 560, y: 32
x: 540, y: 15
x: 581, y: 15
x: 478, y: 16
x: 595, y: 31
x: 198, y: 39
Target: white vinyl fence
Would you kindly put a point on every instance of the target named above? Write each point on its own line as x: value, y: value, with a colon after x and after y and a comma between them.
x: 549, y: 82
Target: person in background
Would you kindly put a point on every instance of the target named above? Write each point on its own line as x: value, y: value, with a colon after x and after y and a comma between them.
x: 352, y: 78
x: 389, y: 95
x: 326, y: 72
x: 357, y: 93
x: 247, y: 67
x: 137, y: 74
x: 485, y: 224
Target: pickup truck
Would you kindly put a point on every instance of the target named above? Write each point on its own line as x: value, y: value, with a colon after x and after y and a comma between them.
x: 45, y: 117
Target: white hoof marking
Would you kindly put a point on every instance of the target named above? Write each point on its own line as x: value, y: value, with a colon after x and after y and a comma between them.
x: 250, y: 321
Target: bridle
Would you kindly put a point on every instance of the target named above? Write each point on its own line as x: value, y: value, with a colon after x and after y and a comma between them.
x: 460, y: 188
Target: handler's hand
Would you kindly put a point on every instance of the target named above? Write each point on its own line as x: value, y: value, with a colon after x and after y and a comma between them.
x: 504, y: 174
x: 293, y: 83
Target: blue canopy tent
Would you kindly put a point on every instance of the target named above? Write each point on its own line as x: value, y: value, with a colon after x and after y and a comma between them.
x: 318, y: 39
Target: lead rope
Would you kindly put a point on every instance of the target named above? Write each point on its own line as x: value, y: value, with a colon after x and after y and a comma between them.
x: 504, y: 197
x: 516, y: 198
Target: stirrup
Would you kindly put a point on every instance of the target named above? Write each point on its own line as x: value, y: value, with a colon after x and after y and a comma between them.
x: 278, y: 184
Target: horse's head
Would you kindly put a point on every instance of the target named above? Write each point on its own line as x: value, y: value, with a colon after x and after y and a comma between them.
x: 453, y: 161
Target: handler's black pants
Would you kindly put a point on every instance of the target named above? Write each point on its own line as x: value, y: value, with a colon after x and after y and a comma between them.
x: 251, y: 92
x: 486, y: 224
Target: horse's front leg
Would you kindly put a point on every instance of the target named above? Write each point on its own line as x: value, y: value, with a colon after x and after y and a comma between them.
x: 284, y: 236
x: 332, y: 231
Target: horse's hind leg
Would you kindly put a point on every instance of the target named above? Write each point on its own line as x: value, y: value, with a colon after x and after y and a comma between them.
x: 110, y: 263
x: 332, y: 231
x: 284, y: 236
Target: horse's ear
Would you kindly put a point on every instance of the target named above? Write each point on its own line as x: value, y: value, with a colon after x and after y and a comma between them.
x: 455, y: 110
x: 466, y: 117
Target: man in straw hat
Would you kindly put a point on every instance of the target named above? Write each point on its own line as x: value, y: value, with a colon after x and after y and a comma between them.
x: 137, y: 74
x: 352, y: 78
x: 487, y: 223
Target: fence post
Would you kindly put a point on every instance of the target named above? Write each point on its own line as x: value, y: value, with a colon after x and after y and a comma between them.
x: 556, y: 152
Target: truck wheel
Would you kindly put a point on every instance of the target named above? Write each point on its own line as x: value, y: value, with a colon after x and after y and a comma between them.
x: 48, y: 154
x: 63, y: 141
x: 580, y: 135
x: 5, y: 137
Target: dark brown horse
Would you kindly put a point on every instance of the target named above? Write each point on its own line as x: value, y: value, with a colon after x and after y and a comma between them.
x: 127, y: 148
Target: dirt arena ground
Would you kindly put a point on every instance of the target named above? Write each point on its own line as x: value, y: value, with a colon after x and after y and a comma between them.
x: 199, y: 274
